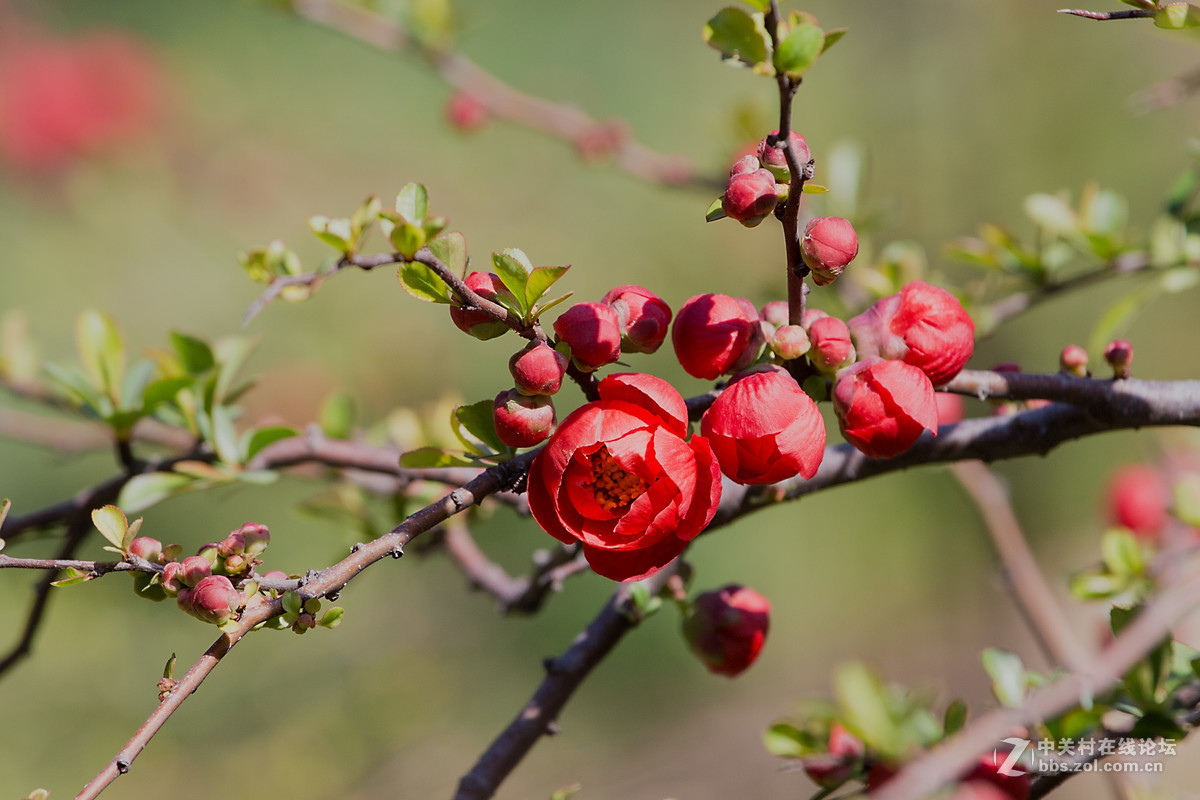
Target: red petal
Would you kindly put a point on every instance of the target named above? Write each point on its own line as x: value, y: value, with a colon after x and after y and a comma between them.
x: 633, y: 565
x: 650, y: 393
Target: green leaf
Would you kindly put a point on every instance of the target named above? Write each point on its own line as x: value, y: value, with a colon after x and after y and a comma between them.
x: 799, y: 49
x: 407, y: 238
x: 785, y: 741
x: 715, y: 210
x: 566, y: 792
x: 337, y: 233
x: 1051, y: 212
x: 1092, y: 585
x: 195, y: 356
x: 1119, y: 316
x: 540, y: 281
x: 814, y: 188
x: 536, y: 312
x: 1122, y: 554
x: 257, y: 477
x: 332, y: 618
x: 514, y: 268
x: 423, y: 283
x: 163, y: 390
x: 738, y: 35
x: 1186, y: 495
x: 224, y: 437
x: 111, y: 523
x: 74, y: 576
x: 1177, y: 16
x: 1008, y: 676
x: 137, y: 380
x: 865, y: 708
x: 101, y: 350
x: 169, y: 667
x: 253, y: 441
x: 5, y: 507
x: 144, y: 491
x: 364, y: 217
x: 231, y: 354
x: 451, y: 250
x: 833, y: 37
x: 338, y: 416
x: 413, y: 202
x: 1180, y: 279
x: 955, y: 717
x: 478, y: 421
x: 434, y: 458
x: 761, y: 5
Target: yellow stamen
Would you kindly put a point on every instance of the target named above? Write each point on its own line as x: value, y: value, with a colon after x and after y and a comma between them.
x: 613, y: 487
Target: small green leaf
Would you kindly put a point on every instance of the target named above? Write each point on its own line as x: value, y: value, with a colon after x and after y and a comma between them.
x: 5, y: 507
x: 814, y: 188
x: 864, y: 703
x: 254, y: 440
x: 73, y: 576
x: 785, y: 741
x: 955, y: 717
x: 101, y: 350
x: 111, y: 523
x: 364, y: 217
x: 231, y: 353
x: 332, y: 618
x: 536, y: 312
x: 407, y: 238
x: 715, y: 210
x: 1186, y: 494
x: 292, y: 603
x: 434, y: 458
x: 477, y: 420
x: 195, y: 356
x: 1008, y: 676
x: 738, y: 35
x: 514, y: 269
x: 163, y: 390
x: 337, y: 233
x: 224, y: 437
x: 1051, y: 212
x: 423, y: 283
x: 143, y: 491
x: 451, y: 250
x: 1122, y: 554
x: 1119, y: 316
x: 799, y: 49
x: 169, y: 668
x: 338, y: 416
x: 133, y: 388
x: 833, y: 37
x: 1180, y: 279
x: 1177, y: 16
x: 540, y: 281
x: 566, y: 792
x: 413, y: 202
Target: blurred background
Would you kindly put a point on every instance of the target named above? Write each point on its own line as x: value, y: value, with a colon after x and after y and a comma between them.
x: 243, y: 121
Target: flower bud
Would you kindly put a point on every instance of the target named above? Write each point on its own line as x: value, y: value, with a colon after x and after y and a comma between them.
x: 760, y: 334
x: 829, y: 244
x: 1073, y: 360
x: 709, y: 334
x: 194, y: 569
x: 750, y: 197
x: 235, y: 564
x: 523, y: 420
x: 726, y: 628
x: 475, y: 322
x: 592, y: 331
x: 763, y: 429
x: 642, y: 317
x: 923, y: 325
x: 883, y: 407
x: 146, y: 548
x: 233, y: 544
x: 256, y: 537
x: 775, y: 160
x: 811, y: 315
x: 215, y: 600
x: 776, y: 313
x: 747, y: 163
x: 1138, y: 499
x: 790, y: 342
x: 1119, y: 355
x: 538, y: 369
x: 170, y: 578
x: 466, y: 112
x: 841, y: 760
x: 831, y: 346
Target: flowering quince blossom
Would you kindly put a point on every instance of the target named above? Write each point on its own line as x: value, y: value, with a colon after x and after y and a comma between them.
x: 764, y: 429
x: 923, y: 325
x: 884, y: 406
x: 478, y: 323
x: 1138, y: 499
x: 643, y: 318
x: 710, y: 332
x: 619, y: 477
x: 727, y: 628
x: 592, y: 330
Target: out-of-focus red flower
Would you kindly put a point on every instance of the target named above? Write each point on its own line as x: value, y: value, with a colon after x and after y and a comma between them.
x: 466, y: 112
x: 592, y: 331
x: 1138, y: 498
x: 619, y: 477
x: 61, y: 99
x: 642, y: 317
x: 923, y: 325
x: 710, y: 333
x: 764, y: 429
x: 884, y: 406
x: 475, y: 322
x: 726, y: 628
x: 841, y: 760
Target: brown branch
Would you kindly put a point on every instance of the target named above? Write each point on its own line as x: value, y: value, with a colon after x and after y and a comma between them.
x: 1030, y: 591
x: 954, y: 756
x: 1136, y: 13
x: 326, y: 583
x: 313, y: 279
x: 564, y: 674
x: 588, y: 135
x: 94, y: 569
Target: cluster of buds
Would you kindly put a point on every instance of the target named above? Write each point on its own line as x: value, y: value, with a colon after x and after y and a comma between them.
x: 759, y: 182
x: 202, y: 584
x: 726, y: 628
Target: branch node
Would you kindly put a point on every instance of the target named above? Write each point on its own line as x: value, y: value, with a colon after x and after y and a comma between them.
x: 122, y: 765
x: 397, y: 551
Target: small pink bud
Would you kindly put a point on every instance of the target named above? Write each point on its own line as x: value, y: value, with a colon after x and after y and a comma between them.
x: 521, y: 420
x: 170, y: 578
x: 235, y: 564
x: 776, y: 313
x: 831, y: 346
x: 750, y: 197
x: 146, y: 548
x: 1074, y: 360
x: 811, y: 315
x: 276, y: 575
x: 829, y: 244
x: 642, y: 317
x: 194, y: 569
x: 215, y: 600
x: 775, y: 160
x: 592, y: 331
x: 1138, y: 499
x: 1119, y: 355
x: 538, y: 369
x: 256, y: 537
x: 466, y: 112
x: 790, y: 342
x: 747, y: 163
x: 475, y: 322
x: 233, y: 544
x: 726, y: 628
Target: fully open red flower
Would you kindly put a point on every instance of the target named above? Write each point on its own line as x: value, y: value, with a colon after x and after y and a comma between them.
x: 618, y: 476
x: 764, y: 428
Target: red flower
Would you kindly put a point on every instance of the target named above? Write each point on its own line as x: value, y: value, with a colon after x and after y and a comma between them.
x: 1138, y: 499
x: 764, y: 429
x: 592, y: 332
x: 884, y: 406
x: 924, y: 326
x: 710, y: 333
x: 466, y: 112
x: 618, y: 476
x: 642, y: 316
x: 727, y: 628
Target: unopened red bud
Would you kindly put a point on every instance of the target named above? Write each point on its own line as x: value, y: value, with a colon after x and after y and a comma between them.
x: 790, y: 342
x: 538, y: 369
x: 466, y: 112
x: 776, y: 313
x: 233, y: 544
x: 523, y: 420
x: 256, y: 537
x: 1073, y: 360
x: 1119, y: 355
x: 727, y: 628
x: 146, y: 548
x: 775, y: 160
x: 276, y: 575
x: 831, y: 348
x: 811, y: 315
x: 170, y: 578
x: 476, y: 322
x: 215, y: 600
x: 829, y: 244
x: 642, y: 317
x: 748, y: 163
x: 760, y: 335
x: 750, y: 197
x: 593, y: 332
x: 710, y: 333
x: 236, y: 564
x: 194, y: 569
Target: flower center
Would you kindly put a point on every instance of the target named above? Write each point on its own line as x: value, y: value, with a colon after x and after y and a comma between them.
x: 613, y: 487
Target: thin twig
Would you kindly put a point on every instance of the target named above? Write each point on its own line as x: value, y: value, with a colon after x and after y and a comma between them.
x: 1029, y: 588
x: 1137, y: 13
x: 94, y: 569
